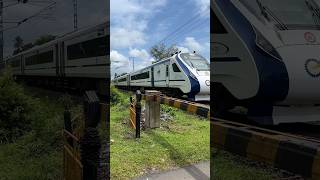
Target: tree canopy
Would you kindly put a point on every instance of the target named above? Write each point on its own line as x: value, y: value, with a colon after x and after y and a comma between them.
x: 19, y: 45
x: 161, y: 51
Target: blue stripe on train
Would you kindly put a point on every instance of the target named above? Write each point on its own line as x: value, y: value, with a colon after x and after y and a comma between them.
x: 273, y: 75
x: 195, y: 85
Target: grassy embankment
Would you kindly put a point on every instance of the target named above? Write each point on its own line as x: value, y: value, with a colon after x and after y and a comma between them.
x: 30, y: 133
x: 181, y: 141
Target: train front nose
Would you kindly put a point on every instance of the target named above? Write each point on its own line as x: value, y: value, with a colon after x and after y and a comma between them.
x: 204, y: 93
x: 303, y: 66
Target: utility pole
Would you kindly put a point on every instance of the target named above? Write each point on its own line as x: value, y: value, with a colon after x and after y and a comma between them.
x: 132, y: 58
x: 75, y: 14
x: 1, y: 30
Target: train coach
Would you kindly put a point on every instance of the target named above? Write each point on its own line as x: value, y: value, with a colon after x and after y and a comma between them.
x: 266, y: 58
x: 183, y: 74
x: 77, y: 60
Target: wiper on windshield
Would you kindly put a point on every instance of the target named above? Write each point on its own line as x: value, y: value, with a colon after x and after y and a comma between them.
x: 266, y: 12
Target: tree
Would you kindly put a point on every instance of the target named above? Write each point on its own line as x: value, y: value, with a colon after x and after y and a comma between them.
x: 160, y: 51
x: 27, y: 46
x: 44, y: 39
x: 18, y: 44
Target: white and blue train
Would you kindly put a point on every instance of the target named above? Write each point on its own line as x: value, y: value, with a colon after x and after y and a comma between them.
x: 77, y: 59
x: 185, y: 74
x: 266, y: 57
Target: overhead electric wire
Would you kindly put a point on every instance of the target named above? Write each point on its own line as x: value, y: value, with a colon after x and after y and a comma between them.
x: 13, y: 27
x: 180, y: 27
x: 38, y: 14
x: 9, y: 5
x: 176, y: 31
x: 10, y: 22
x: 188, y: 30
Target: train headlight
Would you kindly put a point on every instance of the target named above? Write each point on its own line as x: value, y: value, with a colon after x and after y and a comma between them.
x: 266, y: 46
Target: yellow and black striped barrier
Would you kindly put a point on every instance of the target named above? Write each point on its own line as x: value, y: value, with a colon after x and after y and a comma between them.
x: 288, y: 152
x: 193, y: 108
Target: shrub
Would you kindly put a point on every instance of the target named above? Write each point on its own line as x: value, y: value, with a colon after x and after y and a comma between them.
x: 116, y: 97
x: 168, y: 110
x: 16, y: 109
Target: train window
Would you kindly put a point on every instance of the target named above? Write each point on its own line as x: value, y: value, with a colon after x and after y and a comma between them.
x: 15, y: 63
x: 45, y: 57
x: 31, y: 60
x: 175, y: 68
x: 216, y: 27
x: 122, y: 80
x: 196, y: 61
x: 91, y: 48
x: 144, y: 75
x: 167, y: 70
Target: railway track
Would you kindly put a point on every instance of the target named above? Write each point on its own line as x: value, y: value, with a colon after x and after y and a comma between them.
x: 307, y: 131
x: 304, y: 131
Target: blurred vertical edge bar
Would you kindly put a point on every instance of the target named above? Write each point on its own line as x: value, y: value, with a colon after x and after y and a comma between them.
x: 211, y: 90
x: 108, y: 94
x: 59, y: 50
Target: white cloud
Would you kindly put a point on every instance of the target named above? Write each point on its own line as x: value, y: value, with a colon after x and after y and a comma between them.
x: 203, y: 7
x: 126, y: 7
x: 118, y: 59
x: 119, y: 63
x: 129, y: 19
x: 143, y: 57
x: 192, y: 44
x: 183, y: 49
x: 121, y: 7
x: 124, y: 38
x: 142, y: 54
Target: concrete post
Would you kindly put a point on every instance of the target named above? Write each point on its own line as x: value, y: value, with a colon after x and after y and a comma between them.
x: 152, y: 112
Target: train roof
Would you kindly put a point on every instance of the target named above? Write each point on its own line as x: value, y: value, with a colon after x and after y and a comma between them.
x: 122, y: 75
x: 157, y: 63
x: 62, y: 37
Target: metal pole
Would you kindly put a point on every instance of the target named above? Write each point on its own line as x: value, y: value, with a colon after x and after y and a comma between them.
x: 1, y: 30
x: 75, y: 14
x: 138, y: 113
x: 132, y: 58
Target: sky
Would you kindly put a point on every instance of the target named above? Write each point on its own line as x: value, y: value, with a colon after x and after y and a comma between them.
x: 137, y: 25
x: 55, y: 21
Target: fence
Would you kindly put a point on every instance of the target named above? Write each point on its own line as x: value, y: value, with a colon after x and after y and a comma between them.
x: 81, y: 149
x: 73, y: 168
x: 135, y: 113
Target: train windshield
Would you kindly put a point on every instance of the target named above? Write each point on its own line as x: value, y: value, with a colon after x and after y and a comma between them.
x: 287, y: 14
x: 196, y: 61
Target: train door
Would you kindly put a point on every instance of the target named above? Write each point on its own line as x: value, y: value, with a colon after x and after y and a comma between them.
x: 62, y: 59
x: 152, y: 77
x: 21, y: 64
x: 57, y: 59
x: 167, y: 75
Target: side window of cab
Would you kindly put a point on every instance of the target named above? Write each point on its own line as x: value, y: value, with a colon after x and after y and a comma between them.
x: 175, y: 68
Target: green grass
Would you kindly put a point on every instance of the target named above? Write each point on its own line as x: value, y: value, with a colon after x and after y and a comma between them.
x: 231, y: 167
x: 36, y: 155
x: 182, y: 141
x: 179, y: 142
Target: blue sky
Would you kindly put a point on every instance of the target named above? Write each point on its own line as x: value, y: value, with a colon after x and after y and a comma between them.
x: 137, y: 25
